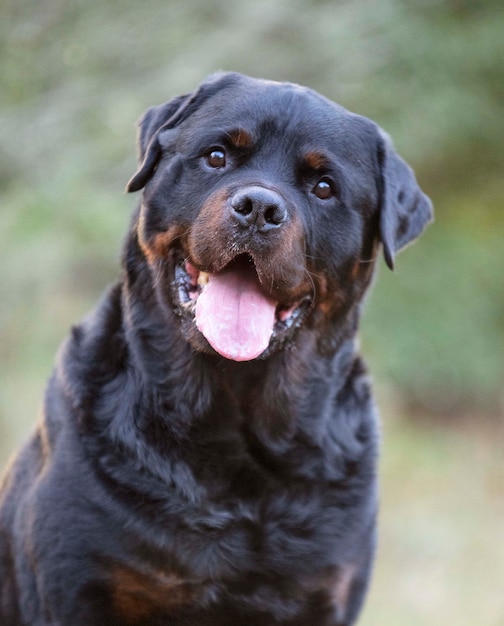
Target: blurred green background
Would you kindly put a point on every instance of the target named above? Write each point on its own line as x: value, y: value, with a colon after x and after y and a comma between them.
x: 75, y: 76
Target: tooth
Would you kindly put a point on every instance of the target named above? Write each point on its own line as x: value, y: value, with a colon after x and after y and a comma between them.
x: 202, y: 279
x: 188, y: 306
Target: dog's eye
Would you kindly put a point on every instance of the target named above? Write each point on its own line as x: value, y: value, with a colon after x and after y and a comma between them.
x: 323, y: 189
x: 216, y: 158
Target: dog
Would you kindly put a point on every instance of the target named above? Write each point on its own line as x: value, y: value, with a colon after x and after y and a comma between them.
x: 207, y: 453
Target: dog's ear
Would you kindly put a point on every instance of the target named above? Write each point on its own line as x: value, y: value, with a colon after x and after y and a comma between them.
x: 149, y: 148
x: 157, y: 120
x: 153, y: 119
x: 405, y: 209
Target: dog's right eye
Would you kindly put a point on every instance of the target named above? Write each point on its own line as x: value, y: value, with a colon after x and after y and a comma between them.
x: 324, y: 189
x: 216, y: 158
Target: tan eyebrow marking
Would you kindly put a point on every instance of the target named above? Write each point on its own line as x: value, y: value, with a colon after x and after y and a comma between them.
x: 315, y: 160
x: 240, y: 138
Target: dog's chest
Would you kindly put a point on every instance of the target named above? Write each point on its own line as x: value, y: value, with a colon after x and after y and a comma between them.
x: 271, y: 552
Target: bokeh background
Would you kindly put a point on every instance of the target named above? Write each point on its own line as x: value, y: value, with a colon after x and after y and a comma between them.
x: 74, y: 78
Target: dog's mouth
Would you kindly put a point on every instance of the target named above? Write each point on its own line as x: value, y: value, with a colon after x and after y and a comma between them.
x: 233, y: 311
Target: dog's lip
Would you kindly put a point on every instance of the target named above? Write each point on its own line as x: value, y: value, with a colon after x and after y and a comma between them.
x: 189, y: 282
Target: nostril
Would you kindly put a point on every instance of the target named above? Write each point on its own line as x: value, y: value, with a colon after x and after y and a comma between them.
x: 274, y: 214
x: 243, y: 206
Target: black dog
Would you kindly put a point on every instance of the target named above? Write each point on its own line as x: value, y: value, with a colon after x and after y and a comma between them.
x: 207, y: 454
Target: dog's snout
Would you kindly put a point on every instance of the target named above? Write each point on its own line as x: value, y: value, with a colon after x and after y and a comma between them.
x: 260, y: 207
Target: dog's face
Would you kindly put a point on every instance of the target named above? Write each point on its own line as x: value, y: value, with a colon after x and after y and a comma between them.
x: 263, y: 209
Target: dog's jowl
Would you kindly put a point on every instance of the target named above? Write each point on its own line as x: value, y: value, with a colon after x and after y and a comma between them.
x: 207, y: 453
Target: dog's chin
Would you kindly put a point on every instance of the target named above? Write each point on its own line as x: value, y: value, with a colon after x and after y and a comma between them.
x: 229, y: 312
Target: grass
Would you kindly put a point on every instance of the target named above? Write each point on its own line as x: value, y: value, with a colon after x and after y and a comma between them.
x: 440, y: 558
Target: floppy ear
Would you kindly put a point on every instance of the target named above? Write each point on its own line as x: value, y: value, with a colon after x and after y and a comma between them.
x: 149, y: 148
x: 152, y: 120
x: 405, y: 209
x: 167, y: 116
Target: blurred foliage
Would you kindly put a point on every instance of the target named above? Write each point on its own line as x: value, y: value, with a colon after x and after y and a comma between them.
x: 437, y: 324
x: 76, y: 74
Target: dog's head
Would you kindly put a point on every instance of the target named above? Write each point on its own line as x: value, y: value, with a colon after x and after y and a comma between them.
x: 263, y: 209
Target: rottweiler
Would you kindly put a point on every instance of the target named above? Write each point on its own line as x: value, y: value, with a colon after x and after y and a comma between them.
x: 207, y: 452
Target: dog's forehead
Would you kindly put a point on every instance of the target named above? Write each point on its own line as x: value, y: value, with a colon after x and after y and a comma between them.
x: 288, y: 110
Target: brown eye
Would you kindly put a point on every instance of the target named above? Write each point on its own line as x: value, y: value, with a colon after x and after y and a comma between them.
x: 216, y: 158
x: 323, y: 190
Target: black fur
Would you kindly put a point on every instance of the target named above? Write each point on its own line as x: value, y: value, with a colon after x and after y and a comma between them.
x: 167, y: 484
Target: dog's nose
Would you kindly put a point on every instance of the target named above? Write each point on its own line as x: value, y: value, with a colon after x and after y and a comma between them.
x: 260, y: 207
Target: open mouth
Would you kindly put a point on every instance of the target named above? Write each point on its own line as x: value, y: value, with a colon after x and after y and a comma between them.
x: 233, y: 312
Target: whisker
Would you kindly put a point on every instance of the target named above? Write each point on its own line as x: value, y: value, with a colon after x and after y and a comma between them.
x: 310, y: 276
x: 160, y: 267
x: 364, y: 261
x: 314, y: 258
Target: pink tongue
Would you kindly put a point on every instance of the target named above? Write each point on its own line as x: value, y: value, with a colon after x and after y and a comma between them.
x: 234, y: 315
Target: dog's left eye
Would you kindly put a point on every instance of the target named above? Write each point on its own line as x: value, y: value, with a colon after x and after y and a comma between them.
x: 323, y: 189
x: 216, y: 158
